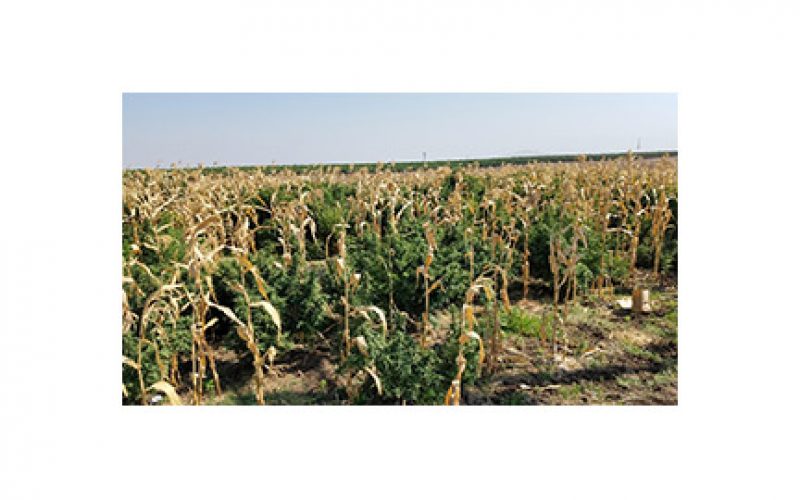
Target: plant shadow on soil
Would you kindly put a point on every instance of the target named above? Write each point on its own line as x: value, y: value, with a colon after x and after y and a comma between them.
x: 301, y: 378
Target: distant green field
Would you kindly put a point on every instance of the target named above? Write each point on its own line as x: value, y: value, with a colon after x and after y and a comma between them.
x: 420, y: 165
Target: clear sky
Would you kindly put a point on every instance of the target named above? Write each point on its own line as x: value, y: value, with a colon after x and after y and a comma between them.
x: 247, y: 129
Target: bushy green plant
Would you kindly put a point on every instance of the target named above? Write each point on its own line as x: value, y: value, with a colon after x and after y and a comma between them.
x: 408, y: 372
x: 447, y: 352
x: 297, y: 294
x: 517, y: 321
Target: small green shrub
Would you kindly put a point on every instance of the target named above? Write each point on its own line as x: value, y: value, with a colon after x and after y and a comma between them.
x: 520, y: 322
x: 408, y: 372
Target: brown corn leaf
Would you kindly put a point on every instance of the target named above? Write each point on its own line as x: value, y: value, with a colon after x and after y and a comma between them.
x: 270, y: 309
x: 373, y: 373
x: 361, y: 343
x: 133, y: 364
x: 167, y: 389
x: 469, y: 316
x: 481, y: 353
x: 227, y: 312
x: 271, y: 353
x: 377, y: 310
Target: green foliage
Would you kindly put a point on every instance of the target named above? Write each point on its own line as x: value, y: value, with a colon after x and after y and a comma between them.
x: 617, y: 267
x: 297, y: 294
x: 388, y: 263
x: 539, y: 247
x: 408, y: 372
x: 519, y: 322
x: 584, y: 276
x: 328, y: 214
x: 149, y: 367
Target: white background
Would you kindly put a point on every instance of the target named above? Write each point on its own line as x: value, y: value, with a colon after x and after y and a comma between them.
x: 63, y: 432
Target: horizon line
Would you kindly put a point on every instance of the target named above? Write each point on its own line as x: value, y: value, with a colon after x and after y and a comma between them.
x: 178, y: 164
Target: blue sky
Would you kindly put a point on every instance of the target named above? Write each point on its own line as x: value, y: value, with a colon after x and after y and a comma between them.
x: 238, y: 129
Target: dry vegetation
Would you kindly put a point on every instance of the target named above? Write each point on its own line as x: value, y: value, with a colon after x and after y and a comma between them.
x: 453, y: 286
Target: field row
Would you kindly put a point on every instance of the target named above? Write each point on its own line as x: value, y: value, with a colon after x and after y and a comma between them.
x: 404, y: 285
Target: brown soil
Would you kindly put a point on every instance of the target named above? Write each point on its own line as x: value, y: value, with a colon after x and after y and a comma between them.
x: 610, y: 357
x: 299, y: 377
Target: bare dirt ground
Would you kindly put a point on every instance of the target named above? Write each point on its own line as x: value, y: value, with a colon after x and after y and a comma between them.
x: 611, y: 357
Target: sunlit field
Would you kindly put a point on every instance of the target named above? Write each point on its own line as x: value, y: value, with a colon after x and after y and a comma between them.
x: 541, y: 283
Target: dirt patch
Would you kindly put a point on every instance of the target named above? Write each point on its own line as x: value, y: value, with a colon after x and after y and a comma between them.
x: 298, y: 377
x: 602, y: 358
x: 632, y: 336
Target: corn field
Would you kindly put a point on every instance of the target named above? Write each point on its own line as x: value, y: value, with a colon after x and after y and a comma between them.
x: 408, y: 284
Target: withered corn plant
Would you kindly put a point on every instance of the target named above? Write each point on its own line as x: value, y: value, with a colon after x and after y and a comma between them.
x: 429, y: 287
x: 245, y: 264
x: 661, y: 215
x: 453, y: 395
